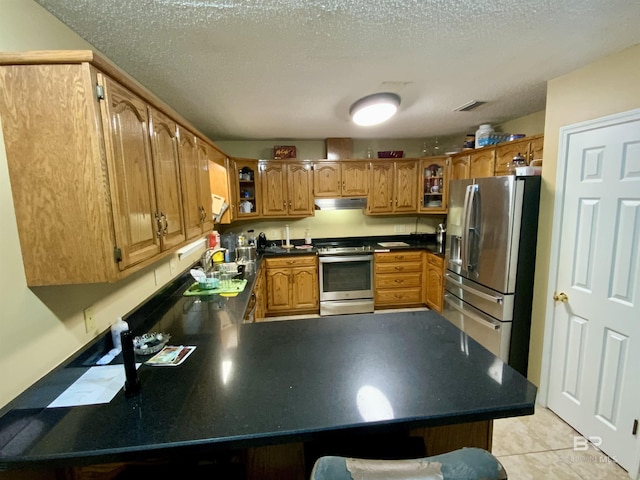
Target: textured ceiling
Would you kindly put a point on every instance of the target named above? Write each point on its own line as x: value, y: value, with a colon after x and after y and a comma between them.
x: 267, y: 69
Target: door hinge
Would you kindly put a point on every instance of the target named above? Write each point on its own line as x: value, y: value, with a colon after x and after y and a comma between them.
x: 634, y: 431
x: 100, y: 92
x: 117, y: 254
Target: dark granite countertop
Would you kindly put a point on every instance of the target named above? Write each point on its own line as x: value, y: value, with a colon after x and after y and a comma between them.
x: 263, y: 383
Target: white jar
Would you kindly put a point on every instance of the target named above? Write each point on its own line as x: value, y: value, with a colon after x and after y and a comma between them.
x: 116, y: 329
x: 482, y: 135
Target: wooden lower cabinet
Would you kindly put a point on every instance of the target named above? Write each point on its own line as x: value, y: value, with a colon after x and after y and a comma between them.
x: 398, y: 279
x: 292, y: 285
x: 434, y: 282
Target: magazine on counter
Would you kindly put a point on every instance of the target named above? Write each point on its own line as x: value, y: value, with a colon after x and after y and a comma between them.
x: 171, y: 355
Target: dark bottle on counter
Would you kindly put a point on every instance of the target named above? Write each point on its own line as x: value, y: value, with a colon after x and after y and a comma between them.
x: 132, y: 383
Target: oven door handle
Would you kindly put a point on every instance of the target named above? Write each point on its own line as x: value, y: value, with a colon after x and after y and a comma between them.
x: 344, y: 258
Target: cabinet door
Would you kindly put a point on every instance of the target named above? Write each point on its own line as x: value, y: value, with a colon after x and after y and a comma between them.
x: 304, y: 288
x: 300, y: 201
x: 381, y: 193
x: 189, y: 163
x: 273, y: 186
x: 406, y: 187
x: 460, y: 167
x: 434, y: 288
x: 481, y: 163
x: 434, y: 183
x: 278, y: 285
x: 164, y: 150
x: 327, y: 179
x: 505, y: 153
x: 133, y: 190
x: 247, y: 188
x: 355, y: 179
x: 535, y: 150
x: 205, y: 152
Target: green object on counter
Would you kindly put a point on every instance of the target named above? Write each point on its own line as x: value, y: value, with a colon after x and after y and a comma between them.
x: 237, y: 286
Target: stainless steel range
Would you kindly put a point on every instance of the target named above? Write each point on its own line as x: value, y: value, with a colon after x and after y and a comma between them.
x: 346, y: 277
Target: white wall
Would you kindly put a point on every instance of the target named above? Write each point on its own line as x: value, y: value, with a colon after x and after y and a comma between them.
x: 41, y: 327
x: 607, y: 86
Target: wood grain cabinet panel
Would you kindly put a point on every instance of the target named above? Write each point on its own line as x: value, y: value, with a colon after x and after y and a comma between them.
x: 286, y: 189
x: 196, y: 193
x: 394, y: 187
x: 341, y: 179
x: 399, y: 279
x: 94, y: 167
x: 434, y: 282
x: 292, y: 285
x: 482, y: 163
x: 164, y: 151
x: 133, y: 186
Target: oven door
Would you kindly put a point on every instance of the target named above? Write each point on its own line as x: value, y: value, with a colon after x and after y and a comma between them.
x: 346, y: 277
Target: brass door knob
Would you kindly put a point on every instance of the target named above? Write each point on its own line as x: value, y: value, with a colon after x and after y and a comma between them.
x: 561, y: 297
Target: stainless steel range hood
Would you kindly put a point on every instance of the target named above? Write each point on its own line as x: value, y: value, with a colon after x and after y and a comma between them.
x: 341, y: 203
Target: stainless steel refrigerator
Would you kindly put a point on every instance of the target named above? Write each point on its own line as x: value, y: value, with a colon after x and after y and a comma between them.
x: 492, y: 225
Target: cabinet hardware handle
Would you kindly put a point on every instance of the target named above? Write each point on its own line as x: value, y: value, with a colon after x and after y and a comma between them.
x: 159, y: 225
x: 561, y: 297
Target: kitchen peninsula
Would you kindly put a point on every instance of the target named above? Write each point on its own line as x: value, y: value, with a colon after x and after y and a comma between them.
x: 270, y: 390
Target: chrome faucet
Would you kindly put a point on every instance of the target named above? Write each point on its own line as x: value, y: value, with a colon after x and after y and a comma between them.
x: 206, y: 259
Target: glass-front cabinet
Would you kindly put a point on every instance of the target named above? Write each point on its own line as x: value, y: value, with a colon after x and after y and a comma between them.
x: 433, y: 184
x: 248, y: 188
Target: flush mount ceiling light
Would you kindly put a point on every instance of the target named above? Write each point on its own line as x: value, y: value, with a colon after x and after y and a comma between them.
x: 374, y: 109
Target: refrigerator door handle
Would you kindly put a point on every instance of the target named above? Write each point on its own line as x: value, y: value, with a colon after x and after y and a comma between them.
x: 477, y: 293
x: 466, y: 225
x: 473, y: 316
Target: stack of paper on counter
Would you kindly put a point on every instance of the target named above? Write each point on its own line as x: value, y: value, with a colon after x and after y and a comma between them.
x: 171, y: 355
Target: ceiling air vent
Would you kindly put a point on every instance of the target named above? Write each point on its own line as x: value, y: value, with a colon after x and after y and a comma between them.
x: 469, y: 106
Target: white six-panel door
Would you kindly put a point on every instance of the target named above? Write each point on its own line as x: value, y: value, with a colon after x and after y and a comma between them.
x: 594, y: 380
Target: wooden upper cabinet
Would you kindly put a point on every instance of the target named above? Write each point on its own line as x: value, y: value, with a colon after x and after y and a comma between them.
x: 132, y: 186
x: 190, y: 178
x: 529, y: 147
x: 246, y: 188
x: 381, y: 188
x: 394, y: 187
x: 460, y: 166
x: 94, y: 167
x: 355, y: 179
x: 299, y: 189
x: 196, y: 193
x: 286, y: 189
x: 434, y: 185
x: 327, y: 179
x: 166, y: 164
x: 205, y: 151
x: 341, y: 179
x: 482, y: 163
x: 406, y: 186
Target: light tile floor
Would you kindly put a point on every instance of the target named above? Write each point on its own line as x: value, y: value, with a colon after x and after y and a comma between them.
x: 540, y: 446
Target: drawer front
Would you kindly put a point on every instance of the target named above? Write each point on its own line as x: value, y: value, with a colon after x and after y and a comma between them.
x: 405, y: 296
x: 291, y: 261
x: 404, y: 256
x: 382, y: 268
x: 400, y: 280
x: 435, y: 260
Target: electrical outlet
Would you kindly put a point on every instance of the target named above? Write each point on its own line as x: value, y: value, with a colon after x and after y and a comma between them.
x: 274, y: 235
x: 399, y: 228
x: 173, y: 266
x: 89, y: 320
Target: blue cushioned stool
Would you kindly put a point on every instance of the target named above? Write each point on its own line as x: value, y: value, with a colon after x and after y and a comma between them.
x: 463, y: 464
